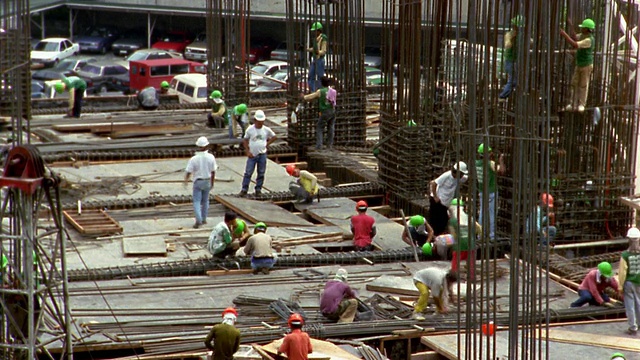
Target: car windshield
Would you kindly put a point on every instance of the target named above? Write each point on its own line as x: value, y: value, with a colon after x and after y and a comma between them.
x: 92, y: 69
x: 46, y: 46
x: 97, y: 32
x: 281, y: 75
x: 173, y: 38
x: 201, y: 37
x: 260, y: 69
x: 137, y: 56
x: 66, y: 65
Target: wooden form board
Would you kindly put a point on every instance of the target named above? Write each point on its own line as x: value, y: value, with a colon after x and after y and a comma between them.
x: 338, y: 211
x: 255, y: 211
x: 394, y: 285
x: 93, y: 222
x: 321, y: 350
x: 144, y: 246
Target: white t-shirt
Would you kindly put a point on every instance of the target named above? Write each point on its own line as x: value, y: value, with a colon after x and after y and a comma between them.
x: 434, y: 278
x: 201, y: 165
x: 258, y: 139
x: 447, y: 185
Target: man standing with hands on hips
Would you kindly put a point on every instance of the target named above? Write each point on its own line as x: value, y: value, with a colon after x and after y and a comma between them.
x: 255, y: 142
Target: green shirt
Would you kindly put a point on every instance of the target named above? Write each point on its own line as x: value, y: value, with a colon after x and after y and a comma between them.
x: 633, y: 267
x: 511, y: 52
x: 491, y: 176
x: 226, y: 341
x: 323, y: 103
x: 462, y: 235
x: 584, y: 57
x: 74, y: 82
x: 216, y: 107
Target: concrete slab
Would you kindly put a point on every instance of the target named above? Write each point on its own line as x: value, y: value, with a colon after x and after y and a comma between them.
x: 148, y: 246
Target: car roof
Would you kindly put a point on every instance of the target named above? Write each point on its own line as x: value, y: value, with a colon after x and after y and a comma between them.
x: 272, y: 62
x: 103, y: 63
x: 54, y: 39
x: 199, y: 79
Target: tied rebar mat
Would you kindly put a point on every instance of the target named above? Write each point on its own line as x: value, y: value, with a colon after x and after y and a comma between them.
x: 343, y: 24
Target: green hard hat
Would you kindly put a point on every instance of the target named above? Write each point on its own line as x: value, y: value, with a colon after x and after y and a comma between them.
x: 457, y: 202
x: 240, y: 226
x: 376, y: 152
x: 605, y: 269
x: 481, y: 148
x: 164, y: 85
x: 241, y: 109
x: 416, y: 220
x: 588, y: 24
x: 260, y: 225
x: 316, y: 26
x: 618, y: 355
x: 215, y: 94
x: 35, y: 258
x: 59, y: 86
x: 427, y: 249
x: 411, y: 123
x: 5, y: 261
x: 518, y: 21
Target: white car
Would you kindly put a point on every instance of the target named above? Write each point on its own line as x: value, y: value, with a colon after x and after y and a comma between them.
x: 50, y: 51
x: 267, y: 68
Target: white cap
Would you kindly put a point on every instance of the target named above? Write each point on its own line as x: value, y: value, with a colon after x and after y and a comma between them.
x: 217, y: 100
x: 202, y: 141
x: 633, y: 233
x: 341, y: 275
x: 259, y: 115
x: 462, y: 167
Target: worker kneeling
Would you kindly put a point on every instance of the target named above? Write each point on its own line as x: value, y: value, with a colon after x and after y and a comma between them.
x: 259, y: 247
x: 437, y: 282
x: 338, y: 301
x: 305, y: 185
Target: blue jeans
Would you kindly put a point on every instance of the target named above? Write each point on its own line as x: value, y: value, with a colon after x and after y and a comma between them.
x: 492, y: 214
x: 551, y: 235
x: 259, y: 160
x: 586, y: 297
x: 632, y: 304
x: 259, y: 263
x: 201, y: 189
x: 509, y: 67
x: 233, y: 122
x: 327, y: 119
x: 316, y: 72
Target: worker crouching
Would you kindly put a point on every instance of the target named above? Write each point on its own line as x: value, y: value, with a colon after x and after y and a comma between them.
x: 592, y: 288
x: 437, y: 282
x: 305, y: 185
x: 259, y: 247
x: 338, y: 301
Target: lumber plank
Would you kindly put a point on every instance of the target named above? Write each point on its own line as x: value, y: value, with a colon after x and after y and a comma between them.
x: 229, y: 272
x: 256, y: 211
x: 587, y: 339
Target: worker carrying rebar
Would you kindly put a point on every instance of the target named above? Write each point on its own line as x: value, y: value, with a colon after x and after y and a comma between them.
x: 629, y: 280
x: 443, y: 190
x: 220, y: 243
x: 218, y: 118
x: 224, y: 339
x: 318, y: 50
x: 338, y: 301
x: 490, y: 181
x: 419, y: 231
x: 297, y: 344
x: 463, y: 248
x: 363, y: 228
x: 592, y: 289
x: 511, y: 42
x: 304, y: 186
x: 540, y: 223
x: 584, y: 46
x: 149, y: 98
x: 260, y: 248
x: 436, y: 282
x: 79, y: 86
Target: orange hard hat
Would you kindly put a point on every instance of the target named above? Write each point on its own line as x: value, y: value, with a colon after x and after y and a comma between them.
x: 290, y: 169
x: 295, y: 319
x: 231, y: 310
x: 546, y: 199
x: 361, y: 205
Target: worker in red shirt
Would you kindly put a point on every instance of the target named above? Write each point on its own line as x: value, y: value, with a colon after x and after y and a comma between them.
x: 591, y: 290
x: 363, y: 228
x: 297, y: 344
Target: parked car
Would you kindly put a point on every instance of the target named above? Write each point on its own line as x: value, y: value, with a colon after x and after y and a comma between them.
x: 149, y: 54
x: 197, y: 50
x: 37, y: 89
x: 99, y: 75
x: 279, y: 80
x: 281, y: 53
x: 190, y: 88
x: 268, y: 67
x: 66, y: 67
x: 261, y: 49
x: 120, y: 82
x: 50, y: 51
x: 174, y: 41
x: 372, y: 56
x: 130, y: 41
x: 97, y: 39
x: 374, y: 76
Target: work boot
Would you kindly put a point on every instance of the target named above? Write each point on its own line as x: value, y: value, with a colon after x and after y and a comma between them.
x: 242, y: 193
x: 258, y: 193
x: 632, y: 332
x: 197, y: 225
x: 256, y: 271
x: 580, y: 108
x: 265, y: 271
x: 417, y: 316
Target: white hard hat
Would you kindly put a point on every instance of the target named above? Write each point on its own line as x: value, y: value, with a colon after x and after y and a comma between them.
x: 462, y: 167
x: 633, y: 233
x: 202, y: 141
x: 259, y: 115
x: 341, y: 275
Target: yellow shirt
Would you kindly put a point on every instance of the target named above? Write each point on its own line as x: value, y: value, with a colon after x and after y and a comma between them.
x: 309, y: 182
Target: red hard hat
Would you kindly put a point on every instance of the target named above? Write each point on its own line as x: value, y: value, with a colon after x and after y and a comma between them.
x: 230, y: 310
x: 546, y: 199
x: 290, y: 169
x: 296, y: 319
x: 361, y: 204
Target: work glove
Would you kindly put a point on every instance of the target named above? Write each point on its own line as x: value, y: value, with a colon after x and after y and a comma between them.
x: 608, y: 304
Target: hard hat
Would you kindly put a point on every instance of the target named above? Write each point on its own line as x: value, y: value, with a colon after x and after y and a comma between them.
x: 481, y: 149
x: 295, y: 319
x: 605, y: 269
x: 290, y: 169
x: 230, y: 310
x: 633, y: 233
x: 457, y: 202
x: 260, y: 225
x: 240, y: 226
x: 316, y: 26
x: 60, y: 86
x: 241, y: 109
x: 164, y: 84
x: 259, y: 115
x: 427, y: 249
x: 546, y: 199
x: 5, y: 261
x: 462, y: 167
x: 588, y: 24
x: 411, y: 123
x: 202, y: 141
x: 376, y: 152
x: 35, y: 258
x: 361, y: 205
x: 518, y: 21
x: 215, y: 94
x: 618, y: 356
x: 341, y: 275
x: 416, y: 220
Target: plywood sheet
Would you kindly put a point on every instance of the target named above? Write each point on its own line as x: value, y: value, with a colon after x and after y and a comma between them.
x: 394, y: 284
x: 338, y: 211
x: 599, y: 340
x: 255, y: 211
x: 144, y: 246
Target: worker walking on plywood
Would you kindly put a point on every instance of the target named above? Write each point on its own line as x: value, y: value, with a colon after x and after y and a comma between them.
x: 437, y: 282
x: 297, y: 344
x: 305, y: 185
x: 224, y: 339
x: 260, y: 248
x: 363, y: 228
x: 584, y: 46
x: 203, y: 168
x: 592, y: 289
x: 338, y: 300
x: 629, y: 280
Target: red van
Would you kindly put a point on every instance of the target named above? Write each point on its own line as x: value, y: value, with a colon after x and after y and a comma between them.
x: 153, y: 72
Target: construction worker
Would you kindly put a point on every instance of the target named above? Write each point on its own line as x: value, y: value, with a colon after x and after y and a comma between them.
x: 434, y: 282
x: 149, y: 99
x: 255, y: 142
x: 239, y: 116
x: 363, y: 228
x: 618, y: 356
x: 318, y: 51
x: 326, y: 106
x: 259, y: 247
x: 203, y: 167
x: 540, y: 222
x: 224, y: 339
x: 297, y: 344
x: 510, y: 53
x: 219, y: 116
x: 592, y: 288
x: 220, y: 243
x: 463, y: 249
x: 240, y: 232
x: 443, y: 190
x: 629, y: 280
x: 338, y: 301
x: 584, y: 46
x: 420, y: 230
x: 79, y: 86
x: 304, y: 186
x: 491, y: 183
